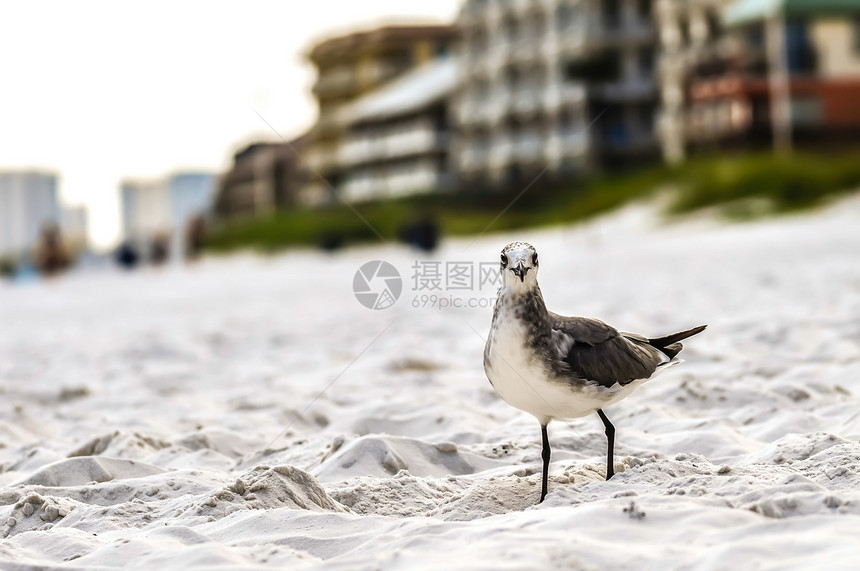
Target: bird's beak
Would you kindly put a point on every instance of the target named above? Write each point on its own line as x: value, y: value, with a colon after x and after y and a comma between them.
x: 520, y: 271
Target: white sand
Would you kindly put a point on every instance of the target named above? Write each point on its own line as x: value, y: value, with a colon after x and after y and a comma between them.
x: 140, y: 414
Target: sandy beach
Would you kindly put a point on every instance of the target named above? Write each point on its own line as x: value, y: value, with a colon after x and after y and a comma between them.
x: 249, y: 412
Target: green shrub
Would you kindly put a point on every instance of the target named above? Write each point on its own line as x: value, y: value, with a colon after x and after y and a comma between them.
x: 741, y: 186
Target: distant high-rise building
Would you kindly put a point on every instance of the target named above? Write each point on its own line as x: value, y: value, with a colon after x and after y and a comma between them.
x: 146, y: 209
x: 73, y: 227
x: 748, y: 73
x: 191, y: 195
x: 28, y: 201
x: 163, y: 207
x: 264, y: 177
x: 398, y: 137
x: 561, y: 87
x: 348, y: 67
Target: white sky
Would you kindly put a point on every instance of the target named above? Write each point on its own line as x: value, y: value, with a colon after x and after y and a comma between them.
x: 102, y: 90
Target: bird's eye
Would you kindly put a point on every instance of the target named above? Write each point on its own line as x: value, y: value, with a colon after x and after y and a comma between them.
x: 504, y: 260
x: 534, y: 259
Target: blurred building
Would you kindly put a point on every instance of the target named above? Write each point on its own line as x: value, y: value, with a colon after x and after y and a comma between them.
x: 28, y: 201
x: 690, y: 30
x: 562, y: 86
x: 758, y: 73
x: 145, y: 209
x: 264, y: 177
x: 349, y: 67
x: 155, y: 208
x: 397, y: 137
x: 191, y: 195
x: 73, y: 227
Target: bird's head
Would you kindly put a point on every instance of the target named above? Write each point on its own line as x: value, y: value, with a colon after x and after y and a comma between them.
x: 519, y: 265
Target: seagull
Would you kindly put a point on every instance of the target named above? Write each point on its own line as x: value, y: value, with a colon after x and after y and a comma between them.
x: 559, y: 368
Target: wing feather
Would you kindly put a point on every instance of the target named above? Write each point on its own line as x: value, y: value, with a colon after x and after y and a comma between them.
x: 597, y: 352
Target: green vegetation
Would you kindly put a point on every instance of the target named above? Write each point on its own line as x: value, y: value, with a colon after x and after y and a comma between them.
x: 7, y: 267
x: 780, y: 183
x: 740, y: 186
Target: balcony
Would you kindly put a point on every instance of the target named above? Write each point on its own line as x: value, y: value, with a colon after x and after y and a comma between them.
x: 376, y: 72
x: 388, y: 144
x: 635, y: 89
x: 334, y: 82
x: 527, y: 101
x: 570, y: 141
x: 521, y: 7
x: 571, y: 94
x: 473, y: 157
x: 473, y: 12
x: 411, y: 178
x: 501, y: 51
x: 728, y: 86
x: 501, y: 152
x: 473, y: 111
x: 321, y: 158
x: 571, y: 43
x: 528, y: 147
x: 624, y: 34
x: 329, y: 123
x: 623, y: 138
x: 498, y: 104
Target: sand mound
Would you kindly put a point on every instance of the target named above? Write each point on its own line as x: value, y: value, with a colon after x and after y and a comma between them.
x: 385, y: 456
x: 35, y: 512
x: 86, y: 469
x: 266, y: 488
x: 120, y: 444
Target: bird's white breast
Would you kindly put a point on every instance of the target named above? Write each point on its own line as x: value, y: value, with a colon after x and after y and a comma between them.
x: 523, y: 379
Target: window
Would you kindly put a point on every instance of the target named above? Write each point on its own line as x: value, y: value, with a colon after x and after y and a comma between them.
x: 646, y: 114
x: 857, y: 34
x: 646, y: 61
x: 684, y: 31
x: 565, y: 17
x: 612, y: 13
x: 755, y: 36
x: 602, y: 66
x: 801, y: 54
x: 715, y: 27
x: 806, y: 111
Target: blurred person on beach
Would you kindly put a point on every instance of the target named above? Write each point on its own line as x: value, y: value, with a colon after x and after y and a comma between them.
x: 127, y: 256
x: 331, y: 241
x: 8, y: 267
x: 422, y: 233
x: 159, y: 249
x: 195, y: 237
x: 51, y: 255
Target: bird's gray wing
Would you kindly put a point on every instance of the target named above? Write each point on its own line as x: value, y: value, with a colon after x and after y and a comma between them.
x: 594, y: 351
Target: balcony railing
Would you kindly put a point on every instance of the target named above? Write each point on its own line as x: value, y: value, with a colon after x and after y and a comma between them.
x: 415, y: 177
x: 335, y: 81
x: 528, y: 146
x: 628, y: 32
x: 384, y: 146
x: 627, y: 90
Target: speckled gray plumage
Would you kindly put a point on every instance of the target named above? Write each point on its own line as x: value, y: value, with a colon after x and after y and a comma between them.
x: 576, y: 350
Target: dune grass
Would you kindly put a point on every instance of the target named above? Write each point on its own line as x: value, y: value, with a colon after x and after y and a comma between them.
x: 740, y: 186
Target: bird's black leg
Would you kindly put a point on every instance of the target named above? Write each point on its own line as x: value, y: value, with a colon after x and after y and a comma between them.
x: 610, y: 441
x: 545, y: 452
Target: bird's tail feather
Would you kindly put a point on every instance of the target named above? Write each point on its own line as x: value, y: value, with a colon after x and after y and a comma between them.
x: 664, y: 342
